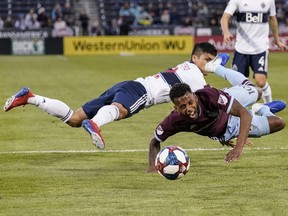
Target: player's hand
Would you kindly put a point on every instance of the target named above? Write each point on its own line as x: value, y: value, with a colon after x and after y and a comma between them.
x: 152, y: 169
x: 229, y: 143
x: 234, y: 154
x: 249, y: 143
x: 232, y: 143
x: 280, y: 45
x: 227, y: 38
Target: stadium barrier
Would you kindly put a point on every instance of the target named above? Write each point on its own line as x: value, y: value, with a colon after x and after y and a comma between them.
x: 27, y: 46
x: 217, y: 41
x: 41, y: 43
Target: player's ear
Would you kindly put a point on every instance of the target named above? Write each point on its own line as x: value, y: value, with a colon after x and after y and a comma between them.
x: 175, y: 108
x: 195, y: 96
x: 194, y: 58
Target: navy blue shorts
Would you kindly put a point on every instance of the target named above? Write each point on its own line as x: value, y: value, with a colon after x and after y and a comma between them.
x: 258, y: 63
x: 131, y: 94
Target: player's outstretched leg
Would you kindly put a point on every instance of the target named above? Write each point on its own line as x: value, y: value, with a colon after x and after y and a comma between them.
x: 92, y: 128
x: 19, y: 99
x: 274, y: 106
x: 232, y: 76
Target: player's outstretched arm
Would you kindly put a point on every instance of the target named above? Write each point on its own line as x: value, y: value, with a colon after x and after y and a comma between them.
x: 154, y: 148
x: 245, y: 123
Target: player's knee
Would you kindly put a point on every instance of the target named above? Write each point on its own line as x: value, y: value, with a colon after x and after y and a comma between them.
x: 281, y: 123
x: 259, y: 90
x: 260, y: 81
x: 260, y: 84
x: 122, y: 113
x: 276, y: 124
x: 75, y: 121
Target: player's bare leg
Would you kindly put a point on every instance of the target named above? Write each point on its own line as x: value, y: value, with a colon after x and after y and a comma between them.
x: 261, y: 81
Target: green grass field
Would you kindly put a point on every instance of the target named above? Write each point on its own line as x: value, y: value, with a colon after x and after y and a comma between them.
x: 48, y: 168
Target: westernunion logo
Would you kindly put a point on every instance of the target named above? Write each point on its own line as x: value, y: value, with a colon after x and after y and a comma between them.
x: 129, y: 45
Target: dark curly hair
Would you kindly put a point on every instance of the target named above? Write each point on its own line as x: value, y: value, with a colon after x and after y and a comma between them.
x: 178, y: 90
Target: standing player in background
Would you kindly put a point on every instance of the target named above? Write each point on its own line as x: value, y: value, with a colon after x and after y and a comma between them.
x: 252, y: 38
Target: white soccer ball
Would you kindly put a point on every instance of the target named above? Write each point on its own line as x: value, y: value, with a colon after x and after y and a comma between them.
x: 172, y: 162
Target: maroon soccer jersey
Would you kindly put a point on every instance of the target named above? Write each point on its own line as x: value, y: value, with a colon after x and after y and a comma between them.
x: 213, y: 108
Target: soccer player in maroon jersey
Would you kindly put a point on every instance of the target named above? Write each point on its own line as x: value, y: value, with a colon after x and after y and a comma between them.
x: 215, y: 114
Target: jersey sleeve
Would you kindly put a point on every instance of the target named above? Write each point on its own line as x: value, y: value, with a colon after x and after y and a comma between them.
x: 166, y: 128
x: 231, y: 7
x: 272, y: 10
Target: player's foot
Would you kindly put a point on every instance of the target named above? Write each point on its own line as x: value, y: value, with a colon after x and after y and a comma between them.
x: 274, y: 106
x: 20, y: 98
x: 92, y: 128
x: 220, y: 59
x: 224, y: 58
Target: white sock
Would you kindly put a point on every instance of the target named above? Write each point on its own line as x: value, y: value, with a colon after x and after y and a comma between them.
x: 106, y: 115
x: 265, y: 111
x: 53, y: 107
x: 266, y: 93
x: 232, y: 76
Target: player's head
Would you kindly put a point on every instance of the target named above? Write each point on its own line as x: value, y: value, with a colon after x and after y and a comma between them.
x: 185, y: 101
x: 202, y: 53
x: 204, y: 47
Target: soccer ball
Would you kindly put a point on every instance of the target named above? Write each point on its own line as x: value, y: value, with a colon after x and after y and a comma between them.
x: 172, y: 162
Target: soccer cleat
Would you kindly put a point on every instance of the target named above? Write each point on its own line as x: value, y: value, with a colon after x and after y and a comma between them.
x: 274, y: 106
x: 20, y: 98
x: 92, y: 128
x: 224, y: 58
x: 220, y: 59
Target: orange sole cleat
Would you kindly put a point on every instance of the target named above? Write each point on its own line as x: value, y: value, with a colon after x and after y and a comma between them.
x: 20, y: 98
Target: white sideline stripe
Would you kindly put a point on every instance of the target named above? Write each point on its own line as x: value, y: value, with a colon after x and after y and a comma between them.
x: 129, y: 150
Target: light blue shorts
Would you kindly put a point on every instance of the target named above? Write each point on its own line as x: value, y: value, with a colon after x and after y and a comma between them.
x: 259, y: 127
x: 246, y: 95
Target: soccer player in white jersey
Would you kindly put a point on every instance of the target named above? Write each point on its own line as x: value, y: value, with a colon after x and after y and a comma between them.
x: 252, y: 41
x: 129, y: 97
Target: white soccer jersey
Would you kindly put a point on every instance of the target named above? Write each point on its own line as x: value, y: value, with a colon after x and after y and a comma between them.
x: 253, y: 24
x: 159, y: 85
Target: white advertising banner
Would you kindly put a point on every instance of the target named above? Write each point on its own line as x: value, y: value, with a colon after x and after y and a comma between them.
x: 28, y: 47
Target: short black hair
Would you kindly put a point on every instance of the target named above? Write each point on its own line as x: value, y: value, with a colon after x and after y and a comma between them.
x: 178, y: 90
x: 204, y: 47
